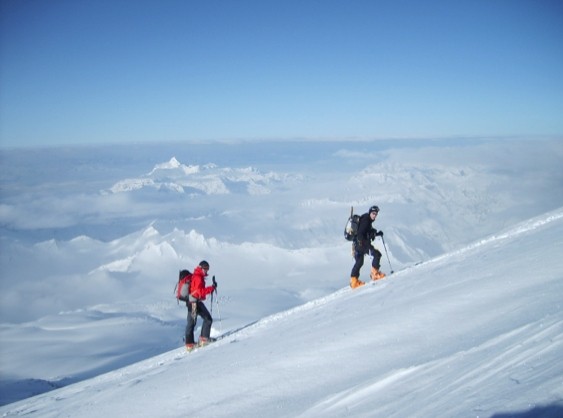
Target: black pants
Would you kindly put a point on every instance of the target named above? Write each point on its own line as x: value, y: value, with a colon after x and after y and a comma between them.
x: 359, y: 254
x: 202, y: 311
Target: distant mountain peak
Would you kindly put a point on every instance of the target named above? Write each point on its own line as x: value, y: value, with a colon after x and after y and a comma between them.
x: 174, y: 165
x: 173, y: 176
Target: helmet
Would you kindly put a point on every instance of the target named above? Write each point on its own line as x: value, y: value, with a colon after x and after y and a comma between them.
x: 204, y: 264
x: 374, y: 209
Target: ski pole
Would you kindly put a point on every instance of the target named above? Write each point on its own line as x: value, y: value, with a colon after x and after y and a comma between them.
x: 219, y: 314
x: 214, y: 284
x: 212, y: 303
x: 387, y: 254
x: 218, y: 310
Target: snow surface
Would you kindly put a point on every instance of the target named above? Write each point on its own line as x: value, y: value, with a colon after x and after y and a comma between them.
x: 470, y: 323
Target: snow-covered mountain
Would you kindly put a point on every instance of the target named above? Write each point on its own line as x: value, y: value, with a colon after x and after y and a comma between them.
x: 208, y: 179
x: 90, y: 261
x: 476, y: 332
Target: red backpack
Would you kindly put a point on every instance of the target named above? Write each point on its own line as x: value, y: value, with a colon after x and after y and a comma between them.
x: 182, y: 289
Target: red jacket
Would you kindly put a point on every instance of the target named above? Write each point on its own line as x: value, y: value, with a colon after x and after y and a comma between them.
x: 198, y: 290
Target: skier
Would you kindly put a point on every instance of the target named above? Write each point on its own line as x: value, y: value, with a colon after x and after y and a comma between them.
x: 362, y: 246
x: 198, y: 293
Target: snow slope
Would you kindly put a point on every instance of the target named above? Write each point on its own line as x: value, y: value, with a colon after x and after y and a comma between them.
x: 477, y: 332
x: 90, y: 246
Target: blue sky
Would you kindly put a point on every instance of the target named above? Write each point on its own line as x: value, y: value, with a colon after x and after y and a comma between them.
x: 115, y: 71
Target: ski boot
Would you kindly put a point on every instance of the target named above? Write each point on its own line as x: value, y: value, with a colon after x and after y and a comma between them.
x: 203, y: 341
x: 355, y: 282
x: 376, y: 274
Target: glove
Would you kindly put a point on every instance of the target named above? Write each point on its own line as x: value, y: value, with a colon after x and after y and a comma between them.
x: 379, y: 234
x: 214, y: 283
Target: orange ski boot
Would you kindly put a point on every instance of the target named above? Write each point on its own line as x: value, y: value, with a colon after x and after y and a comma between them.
x: 355, y: 282
x: 376, y: 274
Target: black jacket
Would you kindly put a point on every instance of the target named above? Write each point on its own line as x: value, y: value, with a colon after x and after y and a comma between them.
x: 366, y: 232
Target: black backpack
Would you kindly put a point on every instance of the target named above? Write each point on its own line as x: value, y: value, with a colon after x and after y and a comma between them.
x: 351, y: 228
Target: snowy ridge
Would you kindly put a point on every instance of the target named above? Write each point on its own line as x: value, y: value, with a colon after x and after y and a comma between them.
x: 522, y: 228
x: 208, y: 179
x: 456, y: 340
